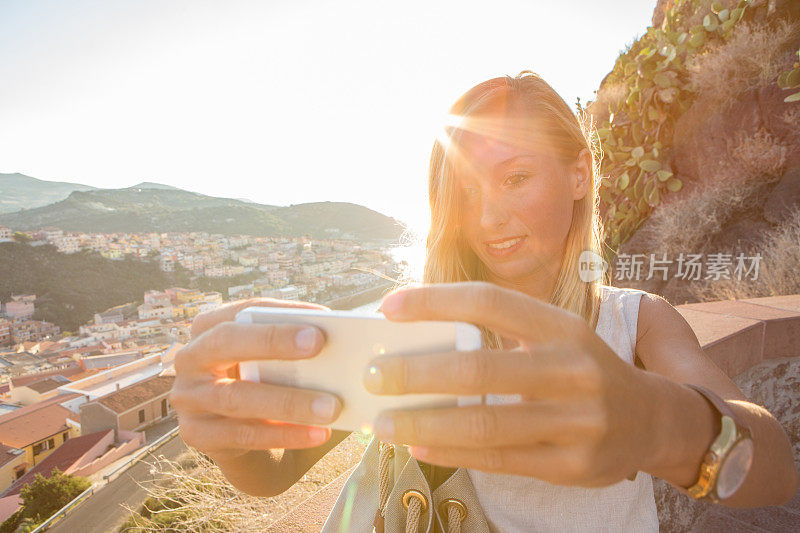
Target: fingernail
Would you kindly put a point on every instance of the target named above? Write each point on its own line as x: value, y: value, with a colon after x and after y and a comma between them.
x: 392, y: 303
x: 384, y: 428
x: 323, y: 407
x: 305, y: 340
x: 318, y: 434
x: 373, y: 379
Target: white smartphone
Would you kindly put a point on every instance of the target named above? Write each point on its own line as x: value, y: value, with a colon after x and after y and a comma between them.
x: 352, y: 341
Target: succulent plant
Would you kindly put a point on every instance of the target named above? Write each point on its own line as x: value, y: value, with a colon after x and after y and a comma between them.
x: 637, y: 137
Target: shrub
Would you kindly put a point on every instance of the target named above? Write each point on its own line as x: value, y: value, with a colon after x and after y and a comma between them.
x: 777, y: 272
x: 45, y: 496
x: 752, y: 58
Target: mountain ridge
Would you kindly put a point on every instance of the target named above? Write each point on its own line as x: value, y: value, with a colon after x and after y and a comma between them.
x: 156, y: 208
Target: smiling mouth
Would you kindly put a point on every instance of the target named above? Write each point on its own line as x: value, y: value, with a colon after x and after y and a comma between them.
x: 502, y: 245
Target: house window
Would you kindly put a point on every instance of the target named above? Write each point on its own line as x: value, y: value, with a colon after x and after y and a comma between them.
x: 141, y: 416
x: 19, y: 472
x: 164, y: 408
x: 43, y: 446
x: 66, y: 436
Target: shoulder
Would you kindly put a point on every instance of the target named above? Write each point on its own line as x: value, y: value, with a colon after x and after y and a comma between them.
x: 663, y: 333
x: 656, y: 314
x: 653, y: 312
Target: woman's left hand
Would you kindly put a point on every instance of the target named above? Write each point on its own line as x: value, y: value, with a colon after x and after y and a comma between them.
x: 583, y: 411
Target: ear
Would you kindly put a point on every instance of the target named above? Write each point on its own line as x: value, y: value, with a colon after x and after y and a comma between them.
x: 581, y: 173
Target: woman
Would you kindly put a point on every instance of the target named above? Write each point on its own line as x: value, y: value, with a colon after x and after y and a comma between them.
x: 571, y: 430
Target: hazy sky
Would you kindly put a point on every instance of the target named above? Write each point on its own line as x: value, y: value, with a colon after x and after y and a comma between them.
x: 280, y: 102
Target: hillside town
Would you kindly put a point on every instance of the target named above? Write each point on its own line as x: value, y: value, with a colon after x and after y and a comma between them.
x: 83, y: 401
x: 285, y: 268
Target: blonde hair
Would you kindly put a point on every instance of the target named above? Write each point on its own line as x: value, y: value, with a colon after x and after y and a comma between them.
x: 450, y: 259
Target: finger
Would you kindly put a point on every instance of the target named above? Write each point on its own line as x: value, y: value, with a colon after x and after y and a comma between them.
x: 219, y: 433
x: 508, y: 312
x: 493, y: 426
x: 247, y: 399
x: 227, y: 313
x: 555, y: 464
x: 543, y: 371
x: 229, y: 343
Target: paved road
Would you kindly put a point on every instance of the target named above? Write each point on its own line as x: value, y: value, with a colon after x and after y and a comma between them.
x: 103, y: 511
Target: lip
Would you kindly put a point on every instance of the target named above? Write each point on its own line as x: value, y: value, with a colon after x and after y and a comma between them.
x: 498, y: 241
x: 505, y: 251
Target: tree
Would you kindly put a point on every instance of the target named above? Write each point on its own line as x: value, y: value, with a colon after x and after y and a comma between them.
x: 45, y: 496
x: 24, y: 238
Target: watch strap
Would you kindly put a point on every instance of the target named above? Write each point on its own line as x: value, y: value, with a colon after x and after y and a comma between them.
x: 715, y: 400
x: 704, y: 488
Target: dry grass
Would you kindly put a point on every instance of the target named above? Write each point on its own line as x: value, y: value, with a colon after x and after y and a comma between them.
x: 752, y: 58
x: 748, y: 169
x: 608, y: 94
x: 196, y: 496
x: 777, y: 272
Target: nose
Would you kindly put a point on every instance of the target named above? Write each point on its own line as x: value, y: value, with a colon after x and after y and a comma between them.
x: 492, y: 213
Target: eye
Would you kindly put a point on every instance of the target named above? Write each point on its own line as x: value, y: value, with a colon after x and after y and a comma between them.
x: 516, y: 178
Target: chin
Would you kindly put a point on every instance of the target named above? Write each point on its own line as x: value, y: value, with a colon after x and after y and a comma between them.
x: 509, y: 270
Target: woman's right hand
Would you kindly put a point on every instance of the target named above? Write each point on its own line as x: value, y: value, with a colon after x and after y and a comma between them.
x: 226, y: 417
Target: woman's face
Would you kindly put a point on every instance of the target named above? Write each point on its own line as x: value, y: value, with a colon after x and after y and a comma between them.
x: 516, y: 197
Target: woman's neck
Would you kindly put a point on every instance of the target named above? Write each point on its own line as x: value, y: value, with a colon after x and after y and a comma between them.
x: 539, y: 284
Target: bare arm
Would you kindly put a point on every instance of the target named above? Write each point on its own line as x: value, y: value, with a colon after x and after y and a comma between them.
x: 685, y: 425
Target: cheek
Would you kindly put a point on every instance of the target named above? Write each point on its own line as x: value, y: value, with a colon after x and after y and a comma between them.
x: 544, y: 212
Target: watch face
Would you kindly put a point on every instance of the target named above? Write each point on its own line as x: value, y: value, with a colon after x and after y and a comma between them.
x: 734, y: 470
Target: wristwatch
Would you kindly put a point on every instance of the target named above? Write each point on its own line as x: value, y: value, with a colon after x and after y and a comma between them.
x: 728, y: 460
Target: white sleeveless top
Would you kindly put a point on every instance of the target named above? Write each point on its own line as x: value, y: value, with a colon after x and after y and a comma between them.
x: 522, y: 503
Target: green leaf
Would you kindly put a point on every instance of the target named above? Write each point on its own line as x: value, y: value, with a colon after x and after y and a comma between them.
x: 636, y: 132
x: 723, y: 15
x: 727, y: 25
x: 697, y: 40
x: 668, y: 51
x: 653, y: 197
x: 782, y: 79
x: 716, y: 7
x: 624, y: 180
x: 792, y: 98
x: 637, y: 152
x: 662, y: 79
x: 674, y: 184
x: 668, y: 95
x: 737, y: 14
x: 650, y: 165
x: 793, y: 78
x: 664, y: 175
x: 710, y: 22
